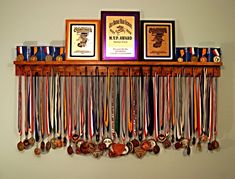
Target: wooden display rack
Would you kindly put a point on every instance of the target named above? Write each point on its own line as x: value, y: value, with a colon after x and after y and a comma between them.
x: 120, y: 68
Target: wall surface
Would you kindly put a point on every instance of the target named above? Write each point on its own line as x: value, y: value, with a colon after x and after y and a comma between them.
x: 201, y: 22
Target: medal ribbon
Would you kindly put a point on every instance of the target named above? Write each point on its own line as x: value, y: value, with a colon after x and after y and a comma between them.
x: 215, y: 52
x: 69, y: 117
x: 151, y: 104
x: 181, y: 52
x: 20, y: 50
x: 20, y: 106
x: 192, y: 51
x: 31, y: 103
x: 215, y: 105
x: 35, y: 50
x: 155, y: 102
x: 203, y: 51
x: 41, y: 117
x: 61, y: 50
x: 199, y: 108
x: 117, y: 120
x: 27, y: 123
x: 47, y: 107
x: 106, y: 112
x: 211, y: 110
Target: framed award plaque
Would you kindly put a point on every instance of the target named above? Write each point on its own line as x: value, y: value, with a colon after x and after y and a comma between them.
x: 120, y: 35
x: 82, y: 39
x: 158, y: 40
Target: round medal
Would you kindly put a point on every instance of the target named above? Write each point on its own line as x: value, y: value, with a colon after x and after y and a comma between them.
x: 31, y: 141
x: 178, y: 145
x: 216, y: 59
x: 203, y: 59
x: 156, y: 149
x: 126, y: 150
x: 37, y: 151
x: 33, y: 58
x: 210, y: 147
x: 152, y: 143
x: 97, y: 153
x: 26, y: 143
x: 146, y: 145
x: 48, y: 146
x: 180, y: 59
x: 70, y: 150
x: 130, y: 146
x: 42, y: 146
x: 161, y: 138
x: 20, y: 146
x: 48, y: 58
x: 215, y: 144
x: 102, y: 146
x: 59, y: 58
x: 20, y: 57
x: 75, y: 138
x: 194, y: 58
x: 77, y: 150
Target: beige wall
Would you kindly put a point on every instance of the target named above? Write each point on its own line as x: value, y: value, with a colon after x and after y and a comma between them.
x: 197, y: 22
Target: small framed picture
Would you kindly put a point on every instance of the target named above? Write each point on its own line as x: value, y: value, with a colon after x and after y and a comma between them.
x: 120, y: 35
x: 82, y: 39
x: 158, y: 39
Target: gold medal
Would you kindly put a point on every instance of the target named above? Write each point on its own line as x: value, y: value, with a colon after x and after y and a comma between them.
x: 33, y: 58
x: 48, y: 146
x: 203, y: 59
x: 20, y: 57
x: 59, y: 58
x: 37, y: 151
x: 48, y: 58
x: 216, y: 59
x: 194, y: 58
x: 180, y: 59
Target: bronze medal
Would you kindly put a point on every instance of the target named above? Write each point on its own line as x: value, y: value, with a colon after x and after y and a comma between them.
x: 135, y: 143
x: 97, y: 153
x: 102, y: 146
x: 70, y: 150
x: 48, y: 58
x: 48, y: 146
x: 139, y: 152
x: 20, y: 146
x: 33, y: 58
x: 215, y: 144
x: 84, y: 147
x: 166, y: 143
x: 26, y: 143
x: 178, y: 145
x: 59, y: 58
x: 91, y: 147
x: 216, y: 59
x: 204, y: 138
x: 145, y: 145
x: 203, y: 59
x: 180, y: 59
x: 42, y: 146
x: 209, y: 146
x: 156, y: 149
x: 59, y: 143
x: 31, y: 141
x: 117, y: 148
x: 194, y: 58
x: 37, y: 151
x: 20, y: 57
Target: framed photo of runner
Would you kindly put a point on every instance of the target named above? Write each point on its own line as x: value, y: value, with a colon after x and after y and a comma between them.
x: 120, y: 35
x: 82, y: 39
x: 158, y: 39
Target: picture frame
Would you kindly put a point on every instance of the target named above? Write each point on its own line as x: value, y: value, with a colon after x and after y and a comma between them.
x: 82, y: 39
x: 120, y: 35
x: 158, y: 39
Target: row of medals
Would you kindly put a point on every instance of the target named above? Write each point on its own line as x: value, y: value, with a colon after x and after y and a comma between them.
x: 114, y: 149
x: 202, y: 59
x: 20, y: 57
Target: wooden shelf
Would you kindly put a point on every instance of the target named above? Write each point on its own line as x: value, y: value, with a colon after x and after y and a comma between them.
x: 121, y: 68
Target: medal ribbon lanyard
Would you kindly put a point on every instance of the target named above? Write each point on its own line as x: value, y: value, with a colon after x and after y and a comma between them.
x: 150, y: 103
x: 215, y: 86
x: 106, y: 109
x: 130, y: 124
x: 117, y: 119
x: 69, y: 103
x: 27, y: 123
x: 20, y: 113
x: 47, y: 107
x: 31, y: 104
x: 41, y: 106
x: 155, y: 97
x: 211, y: 109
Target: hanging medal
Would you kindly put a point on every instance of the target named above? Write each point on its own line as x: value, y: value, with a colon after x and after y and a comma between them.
x: 20, y: 144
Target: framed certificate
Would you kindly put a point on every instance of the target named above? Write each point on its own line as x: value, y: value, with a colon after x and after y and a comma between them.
x: 120, y: 35
x: 158, y: 40
x: 82, y: 39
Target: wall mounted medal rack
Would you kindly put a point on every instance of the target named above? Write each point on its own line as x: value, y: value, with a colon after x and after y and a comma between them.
x: 115, y: 108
